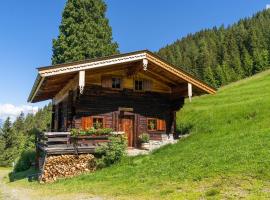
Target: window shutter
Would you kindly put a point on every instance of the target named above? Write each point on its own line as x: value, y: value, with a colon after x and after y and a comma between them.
x: 105, y: 125
x: 87, y: 122
x: 106, y: 81
x: 161, y: 125
x: 147, y: 85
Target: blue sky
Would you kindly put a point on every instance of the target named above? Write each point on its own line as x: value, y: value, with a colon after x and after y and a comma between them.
x: 28, y: 27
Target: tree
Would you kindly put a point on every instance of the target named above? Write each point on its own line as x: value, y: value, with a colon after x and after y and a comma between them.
x: 11, y: 144
x: 85, y: 32
x: 209, y: 76
x: 247, y: 63
x: 260, y: 60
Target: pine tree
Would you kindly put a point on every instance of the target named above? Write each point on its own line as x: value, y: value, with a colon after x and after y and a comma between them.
x: 209, y: 76
x: 84, y: 32
x: 260, y: 60
x: 247, y: 63
x: 11, y: 144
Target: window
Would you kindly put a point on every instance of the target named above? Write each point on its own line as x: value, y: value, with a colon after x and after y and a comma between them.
x: 138, y: 85
x: 152, y: 124
x: 97, y: 122
x: 116, y: 83
x: 156, y: 124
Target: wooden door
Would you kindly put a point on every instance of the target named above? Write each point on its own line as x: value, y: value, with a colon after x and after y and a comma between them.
x: 126, y: 125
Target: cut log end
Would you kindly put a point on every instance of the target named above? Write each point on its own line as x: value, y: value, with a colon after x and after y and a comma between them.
x: 64, y: 166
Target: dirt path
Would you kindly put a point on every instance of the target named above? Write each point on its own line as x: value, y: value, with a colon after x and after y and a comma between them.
x: 11, y: 193
x: 17, y: 193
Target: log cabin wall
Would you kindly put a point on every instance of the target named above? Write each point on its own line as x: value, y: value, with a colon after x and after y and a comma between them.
x: 104, y: 102
x: 100, y: 100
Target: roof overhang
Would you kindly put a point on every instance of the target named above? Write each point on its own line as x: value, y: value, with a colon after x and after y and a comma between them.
x: 64, y: 72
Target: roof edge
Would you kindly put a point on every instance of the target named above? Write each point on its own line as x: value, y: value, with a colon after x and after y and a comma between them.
x: 90, y: 60
x: 34, y: 88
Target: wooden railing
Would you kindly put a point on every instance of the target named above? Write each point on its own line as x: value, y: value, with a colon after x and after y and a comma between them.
x: 64, y: 143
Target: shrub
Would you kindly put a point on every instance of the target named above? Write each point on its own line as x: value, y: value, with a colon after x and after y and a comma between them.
x: 183, y: 129
x: 25, y: 161
x: 144, y: 138
x: 112, y: 151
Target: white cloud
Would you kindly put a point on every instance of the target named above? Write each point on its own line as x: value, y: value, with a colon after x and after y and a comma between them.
x: 267, y: 6
x: 12, y: 111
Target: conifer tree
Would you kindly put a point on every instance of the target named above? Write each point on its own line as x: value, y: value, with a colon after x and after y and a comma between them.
x: 209, y: 76
x: 247, y: 63
x: 10, y: 144
x: 232, y: 52
x: 84, y: 32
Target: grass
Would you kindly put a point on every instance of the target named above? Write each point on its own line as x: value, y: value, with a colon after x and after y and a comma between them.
x: 227, y: 154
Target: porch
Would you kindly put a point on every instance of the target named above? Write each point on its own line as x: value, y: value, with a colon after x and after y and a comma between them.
x: 58, y: 143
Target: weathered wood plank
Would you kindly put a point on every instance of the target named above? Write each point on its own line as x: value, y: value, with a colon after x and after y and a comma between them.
x: 58, y: 139
x: 56, y: 133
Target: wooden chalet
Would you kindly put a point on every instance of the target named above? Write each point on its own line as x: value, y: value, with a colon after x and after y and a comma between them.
x: 134, y: 93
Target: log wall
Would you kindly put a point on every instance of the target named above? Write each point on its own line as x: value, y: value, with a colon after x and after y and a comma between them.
x: 105, y: 102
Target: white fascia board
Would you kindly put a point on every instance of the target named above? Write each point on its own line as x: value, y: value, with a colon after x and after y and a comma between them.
x: 91, y: 65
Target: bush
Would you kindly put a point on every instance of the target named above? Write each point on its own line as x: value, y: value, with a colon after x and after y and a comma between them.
x: 183, y: 129
x: 144, y: 138
x: 25, y: 161
x: 112, y: 151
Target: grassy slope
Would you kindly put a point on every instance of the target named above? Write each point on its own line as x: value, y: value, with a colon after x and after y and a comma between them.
x: 226, y: 155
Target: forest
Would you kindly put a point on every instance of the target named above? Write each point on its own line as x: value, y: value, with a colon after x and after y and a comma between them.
x: 224, y: 54
x: 17, y: 139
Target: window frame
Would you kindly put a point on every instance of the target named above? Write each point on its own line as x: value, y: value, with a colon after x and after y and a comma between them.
x: 120, y: 82
x: 156, y: 121
x: 142, y: 90
x: 157, y: 124
x: 98, y: 118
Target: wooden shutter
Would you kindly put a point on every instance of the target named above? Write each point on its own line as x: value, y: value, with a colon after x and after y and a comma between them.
x: 87, y: 122
x: 105, y: 122
x: 147, y: 85
x: 161, y: 125
x: 106, y: 81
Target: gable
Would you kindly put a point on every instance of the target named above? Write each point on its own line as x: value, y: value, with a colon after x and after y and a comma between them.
x: 127, y: 81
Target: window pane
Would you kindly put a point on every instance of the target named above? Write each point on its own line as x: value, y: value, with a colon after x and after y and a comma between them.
x: 138, y: 85
x: 116, y: 83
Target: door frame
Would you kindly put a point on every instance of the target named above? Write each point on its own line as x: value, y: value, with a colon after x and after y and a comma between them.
x: 128, y: 115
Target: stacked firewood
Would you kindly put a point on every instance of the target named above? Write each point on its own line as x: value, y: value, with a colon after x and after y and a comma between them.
x: 62, y: 166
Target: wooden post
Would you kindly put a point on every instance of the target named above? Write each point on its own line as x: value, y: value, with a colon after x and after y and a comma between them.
x: 37, y: 151
x: 189, y: 91
x: 173, y: 126
x: 145, y: 64
x: 81, y: 81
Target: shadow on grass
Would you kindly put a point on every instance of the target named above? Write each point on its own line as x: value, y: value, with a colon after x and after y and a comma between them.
x: 31, y: 174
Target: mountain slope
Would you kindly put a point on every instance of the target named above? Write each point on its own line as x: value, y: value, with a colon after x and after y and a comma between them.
x: 225, y: 54
x: 227, y: 154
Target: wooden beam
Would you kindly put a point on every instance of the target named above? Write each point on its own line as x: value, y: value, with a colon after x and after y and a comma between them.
x: 133, y: 70
x: 181, y: 74
x: 158, y: 77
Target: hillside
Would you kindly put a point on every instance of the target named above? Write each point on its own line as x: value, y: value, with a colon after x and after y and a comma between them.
x: 224, y: 54
x: 226, y: 155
